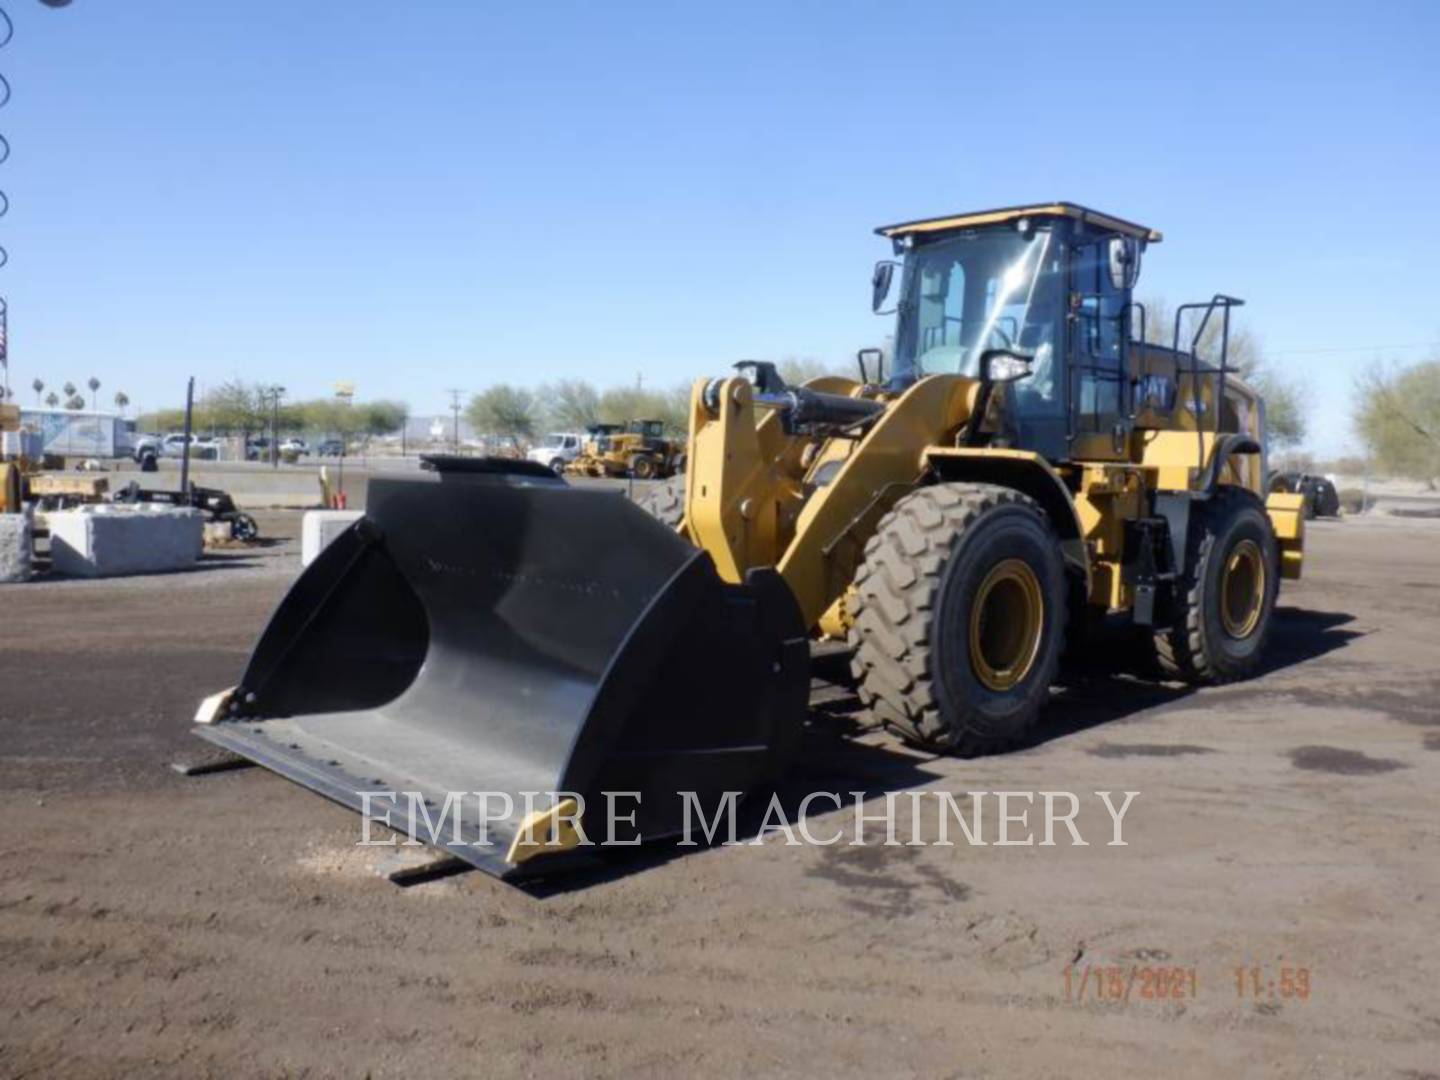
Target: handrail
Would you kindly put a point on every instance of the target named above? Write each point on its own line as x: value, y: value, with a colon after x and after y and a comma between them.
x: 1225, y: 303
x: 1129, y: 340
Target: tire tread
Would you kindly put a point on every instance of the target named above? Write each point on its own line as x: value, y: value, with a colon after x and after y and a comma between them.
x: 895, y: 593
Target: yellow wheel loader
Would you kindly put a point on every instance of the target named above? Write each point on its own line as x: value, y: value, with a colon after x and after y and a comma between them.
x: 639, y: 449
x: 1028, y: 458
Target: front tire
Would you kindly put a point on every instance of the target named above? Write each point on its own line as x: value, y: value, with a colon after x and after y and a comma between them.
x: 960, y: 615
x: 642, y: 468
x: 1223, y: 614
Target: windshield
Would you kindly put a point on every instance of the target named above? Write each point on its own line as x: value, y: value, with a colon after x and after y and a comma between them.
x: 988, y: 289
x: 554, y: 442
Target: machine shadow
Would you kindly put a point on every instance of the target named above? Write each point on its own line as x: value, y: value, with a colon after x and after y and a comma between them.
x: 831, y: 761
x: 1105, y: 679
x: 1111, y: 675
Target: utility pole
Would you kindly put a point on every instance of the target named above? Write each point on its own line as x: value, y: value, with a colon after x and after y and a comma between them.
x: 455, y: 411
x: 274, y: 393
x: 185, y: 449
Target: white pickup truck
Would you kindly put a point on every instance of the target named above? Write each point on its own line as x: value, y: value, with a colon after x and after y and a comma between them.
x: 557, y: 450
x: 201, y: 446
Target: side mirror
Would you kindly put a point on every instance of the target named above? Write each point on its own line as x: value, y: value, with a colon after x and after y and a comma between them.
x: 879, y: 358
x: 880, y: 282
x: 1124, y: 260
x: 1004, y: 365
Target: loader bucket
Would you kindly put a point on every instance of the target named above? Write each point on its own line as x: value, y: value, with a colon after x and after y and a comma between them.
x: 487, y: 630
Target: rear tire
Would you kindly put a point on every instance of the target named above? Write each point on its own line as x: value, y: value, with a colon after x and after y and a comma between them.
x: 642, y: 468
x: 960, y: 615
x: 558, y: 466
x: 1223, y: 614
x: 665, y: 502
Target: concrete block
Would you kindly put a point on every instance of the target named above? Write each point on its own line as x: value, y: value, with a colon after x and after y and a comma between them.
x: 319, y: 528
x: 110, y: 540
x: 17, y: 547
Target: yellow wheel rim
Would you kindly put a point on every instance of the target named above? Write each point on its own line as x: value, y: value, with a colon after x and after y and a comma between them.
x: 1006, y: 622
x: 1242, y: 590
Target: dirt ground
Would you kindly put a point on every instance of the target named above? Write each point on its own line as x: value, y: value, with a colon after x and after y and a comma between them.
x: 227, y: 924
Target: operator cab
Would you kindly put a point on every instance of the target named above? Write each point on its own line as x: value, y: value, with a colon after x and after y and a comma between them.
x: 1049, y: 283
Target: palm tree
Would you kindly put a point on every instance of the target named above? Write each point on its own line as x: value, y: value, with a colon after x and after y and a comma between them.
x: 39, y: 387
x: 52, y: 399
x: 75, y: 404
x: 69, y: 390
x: 94, y: 385
x: 121, y: 400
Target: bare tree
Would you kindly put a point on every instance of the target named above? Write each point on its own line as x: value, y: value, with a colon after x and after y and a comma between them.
x: 504, y: 410
x: 1397, y: 413
x: 797, y: 370
x: 570, y: 404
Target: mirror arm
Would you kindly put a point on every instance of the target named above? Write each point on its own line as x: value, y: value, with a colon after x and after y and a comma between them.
x: 987, y: 391
x: 982, y: 406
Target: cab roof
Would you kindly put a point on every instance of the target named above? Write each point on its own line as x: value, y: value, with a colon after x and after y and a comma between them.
x: 1014, y: 213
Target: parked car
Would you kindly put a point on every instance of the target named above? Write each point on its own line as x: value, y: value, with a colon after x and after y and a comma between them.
x: 201, y: 446
x: 148, y: 446
x: 330, y: 448
x: 296, y: 446
x: 257, y: 448
x: 557, y: 450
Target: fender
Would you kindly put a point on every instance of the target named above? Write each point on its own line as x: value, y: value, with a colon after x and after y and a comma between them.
x: 1226, y: 446
x: 1174, y: 506
x: 1030, y: 474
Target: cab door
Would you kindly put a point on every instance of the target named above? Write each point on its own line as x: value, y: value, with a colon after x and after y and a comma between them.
x: 1098, y: 347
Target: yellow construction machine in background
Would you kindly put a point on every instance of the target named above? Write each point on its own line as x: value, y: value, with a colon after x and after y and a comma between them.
x: 639, y: 448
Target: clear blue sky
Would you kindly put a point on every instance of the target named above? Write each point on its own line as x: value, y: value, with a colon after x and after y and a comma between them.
x: 415, y: 196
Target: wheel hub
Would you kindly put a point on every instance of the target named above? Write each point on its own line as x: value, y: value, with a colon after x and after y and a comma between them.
x: 1006, y: 624
x: 1242, y: 590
